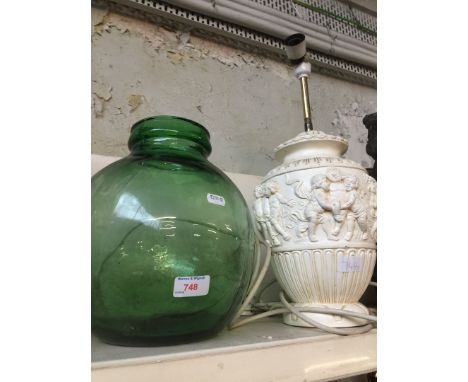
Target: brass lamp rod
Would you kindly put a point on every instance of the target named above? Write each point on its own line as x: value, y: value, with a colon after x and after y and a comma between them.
x: 306, y: 104
x: 295, y: 46
x: 302, y: 72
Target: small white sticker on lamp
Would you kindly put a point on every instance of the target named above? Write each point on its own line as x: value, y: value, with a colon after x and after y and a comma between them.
x: 349, y: 264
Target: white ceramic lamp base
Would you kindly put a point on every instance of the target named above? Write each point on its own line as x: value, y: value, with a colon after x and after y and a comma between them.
x: 318, y: 212
x: 328, y: 319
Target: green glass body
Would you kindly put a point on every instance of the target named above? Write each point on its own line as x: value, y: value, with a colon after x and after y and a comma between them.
x: 162, y: 213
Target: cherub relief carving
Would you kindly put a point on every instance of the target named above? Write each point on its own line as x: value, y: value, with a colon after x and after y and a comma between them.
x: 352, y: 209
x: 269, y: 212
x: 372, y: 187
x: 314, y: 211
x: 261, y: 216
x: 331, y: 202
x: 275, y: 200
x: 337, y: 197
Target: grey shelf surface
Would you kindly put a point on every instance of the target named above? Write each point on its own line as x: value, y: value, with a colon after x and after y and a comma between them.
x: 311, y: 355
x: 268, y: 331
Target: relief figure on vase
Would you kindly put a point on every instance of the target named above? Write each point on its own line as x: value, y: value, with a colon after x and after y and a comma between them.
x: 354, y: 208
x: 269, y: 212
x: 373, y: 209
x: 261, y: 216
x: 316, y: 212
x: 275, y: 217
x: 337, y: 197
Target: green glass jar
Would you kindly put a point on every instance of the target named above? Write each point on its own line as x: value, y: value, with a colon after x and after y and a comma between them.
x: 172, y: 240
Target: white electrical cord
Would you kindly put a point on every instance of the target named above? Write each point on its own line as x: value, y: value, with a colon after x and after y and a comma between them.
x: 256, y: 268
x: 255, y: 287
x: 235, y: 323
x: 329, y: 329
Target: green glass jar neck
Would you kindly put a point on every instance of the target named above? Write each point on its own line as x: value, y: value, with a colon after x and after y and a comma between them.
x: 169, y: 135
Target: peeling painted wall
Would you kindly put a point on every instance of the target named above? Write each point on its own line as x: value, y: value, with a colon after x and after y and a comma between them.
x: 249, y: 103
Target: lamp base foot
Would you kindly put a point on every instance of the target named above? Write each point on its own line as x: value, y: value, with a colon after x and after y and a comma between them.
x: 328, y: 319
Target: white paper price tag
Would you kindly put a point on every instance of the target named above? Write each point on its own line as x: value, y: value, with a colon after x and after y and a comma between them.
x: 350, y: 264
x: 215, y: 199
x: 191, y: 286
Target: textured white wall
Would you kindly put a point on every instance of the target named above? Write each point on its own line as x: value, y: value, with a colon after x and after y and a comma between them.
x: 249, y: 103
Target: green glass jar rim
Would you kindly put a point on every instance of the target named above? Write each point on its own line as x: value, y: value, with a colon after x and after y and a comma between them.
x: 169, y: 131
x: 163, y: 118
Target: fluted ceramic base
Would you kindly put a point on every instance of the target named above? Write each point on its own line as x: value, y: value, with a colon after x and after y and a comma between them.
x: 328, y: 319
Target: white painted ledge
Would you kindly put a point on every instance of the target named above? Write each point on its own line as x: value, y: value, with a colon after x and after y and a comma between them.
x: 266, y: 350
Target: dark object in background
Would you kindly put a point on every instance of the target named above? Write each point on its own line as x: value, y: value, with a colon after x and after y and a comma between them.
x: 370, y: 121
